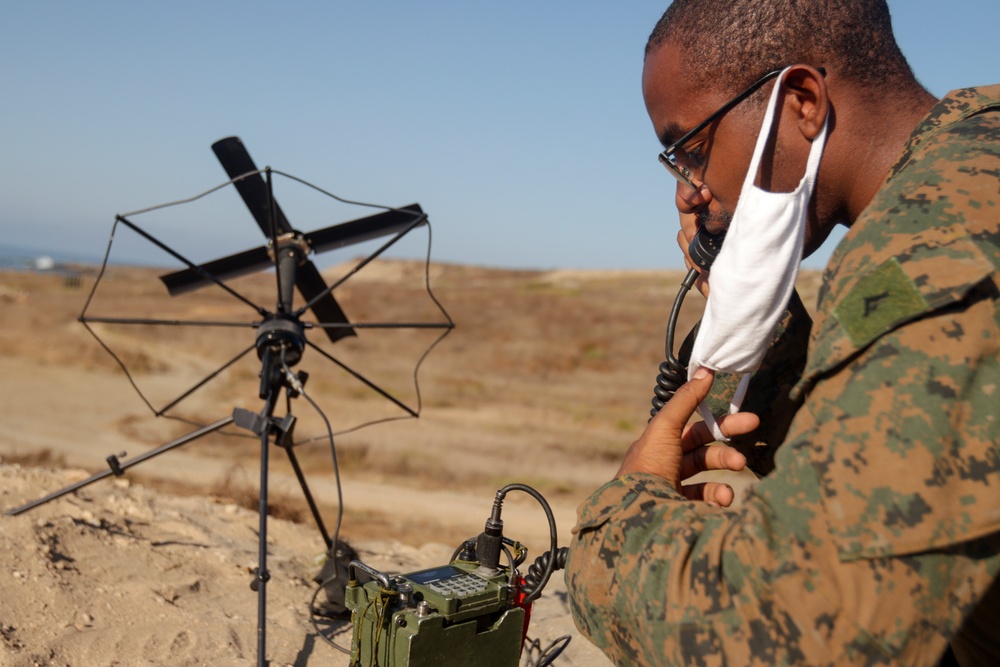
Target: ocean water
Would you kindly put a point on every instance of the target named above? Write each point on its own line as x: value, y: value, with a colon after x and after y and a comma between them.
x: 27, y: 259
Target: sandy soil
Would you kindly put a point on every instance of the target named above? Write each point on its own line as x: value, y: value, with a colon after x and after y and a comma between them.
x: 545, y: 381
x: 119, y: 574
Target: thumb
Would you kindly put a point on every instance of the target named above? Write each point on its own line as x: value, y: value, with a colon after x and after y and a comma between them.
x: 674, y: 416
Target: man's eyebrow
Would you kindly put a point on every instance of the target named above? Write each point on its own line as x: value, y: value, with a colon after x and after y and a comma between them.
x: 671, y: 133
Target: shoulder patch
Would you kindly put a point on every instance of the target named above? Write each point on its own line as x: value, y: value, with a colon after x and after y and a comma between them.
x: 879, y: 301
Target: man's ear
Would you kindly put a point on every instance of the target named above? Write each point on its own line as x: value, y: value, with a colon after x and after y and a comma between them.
x: 807, y: 88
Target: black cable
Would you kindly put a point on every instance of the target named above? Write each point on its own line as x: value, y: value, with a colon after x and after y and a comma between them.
x: 553, y: 536
x: 313, y: 615
x: 702, y: 251
x: 672, y: 372
x: 533, y: 579
x: 298, y: 386
x: 547, y: 656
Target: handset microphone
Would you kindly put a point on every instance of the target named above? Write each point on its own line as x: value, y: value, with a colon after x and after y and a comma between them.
x: 705, y: 247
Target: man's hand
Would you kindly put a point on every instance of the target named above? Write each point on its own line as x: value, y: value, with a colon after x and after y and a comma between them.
x: 675, y: 451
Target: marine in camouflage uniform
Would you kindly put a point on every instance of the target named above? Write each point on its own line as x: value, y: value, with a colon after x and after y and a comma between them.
x: 878, y: 535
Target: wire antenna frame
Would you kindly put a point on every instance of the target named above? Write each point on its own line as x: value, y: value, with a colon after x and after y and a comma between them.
x: 280, y: 332
x: 217, y: 272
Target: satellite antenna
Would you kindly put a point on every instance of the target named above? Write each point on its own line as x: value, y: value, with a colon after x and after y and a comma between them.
x: 281, y: 333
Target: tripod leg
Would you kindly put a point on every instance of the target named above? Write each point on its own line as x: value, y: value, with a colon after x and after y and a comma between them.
x: 259, y: 583
x: 309, y: 498
x: 119, y: 467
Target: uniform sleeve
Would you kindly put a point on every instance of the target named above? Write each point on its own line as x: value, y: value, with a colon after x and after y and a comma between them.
x: 870, y: 543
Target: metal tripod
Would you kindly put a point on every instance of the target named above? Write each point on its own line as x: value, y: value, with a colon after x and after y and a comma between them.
x: 279, y: 345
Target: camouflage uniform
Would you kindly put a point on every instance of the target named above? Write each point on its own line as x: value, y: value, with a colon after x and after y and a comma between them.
x: 769, y: 395
x: 879, y: 530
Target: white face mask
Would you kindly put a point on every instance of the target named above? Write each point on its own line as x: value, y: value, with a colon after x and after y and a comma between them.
x: 754, y: 274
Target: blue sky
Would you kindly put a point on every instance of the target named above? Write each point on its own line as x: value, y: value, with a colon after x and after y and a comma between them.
x: 519, y: 126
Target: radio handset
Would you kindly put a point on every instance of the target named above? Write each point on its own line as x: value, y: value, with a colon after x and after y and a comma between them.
x: 702, y: 250
x: 705, y: 247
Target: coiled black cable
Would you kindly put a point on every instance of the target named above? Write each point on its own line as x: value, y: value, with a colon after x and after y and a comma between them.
x: 536, y: 571
x: 548, y: 568
x: 672, y: 372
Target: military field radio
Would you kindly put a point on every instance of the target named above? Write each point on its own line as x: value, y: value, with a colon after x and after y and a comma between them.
x: 472, y: 611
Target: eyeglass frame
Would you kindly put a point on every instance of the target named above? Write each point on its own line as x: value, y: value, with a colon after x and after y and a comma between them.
x: 666, y: 157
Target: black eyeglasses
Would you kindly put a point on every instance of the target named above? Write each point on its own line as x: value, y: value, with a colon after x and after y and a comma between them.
x: 676, y: 165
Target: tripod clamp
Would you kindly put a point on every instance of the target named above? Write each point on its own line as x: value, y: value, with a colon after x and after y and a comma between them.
x: 282, y: 428
x: 115, y: 464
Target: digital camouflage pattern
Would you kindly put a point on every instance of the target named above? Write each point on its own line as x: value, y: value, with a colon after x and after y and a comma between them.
x: 770, y: 392
x: 879, y: 530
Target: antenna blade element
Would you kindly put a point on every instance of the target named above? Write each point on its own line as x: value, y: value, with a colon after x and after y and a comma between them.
x: 235, y: 159
x: 224, y: 268
x: 363, y: 229
x: 327, y: 310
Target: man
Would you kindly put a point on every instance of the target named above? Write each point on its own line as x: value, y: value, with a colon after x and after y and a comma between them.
x: 876, y: 539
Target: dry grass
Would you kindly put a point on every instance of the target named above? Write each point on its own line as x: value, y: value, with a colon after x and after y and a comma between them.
x: 359, y: 523
x: 547, y: 376
x: 236, y: 489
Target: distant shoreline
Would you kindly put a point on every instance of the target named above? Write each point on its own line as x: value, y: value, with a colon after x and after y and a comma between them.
x: 18, y: 257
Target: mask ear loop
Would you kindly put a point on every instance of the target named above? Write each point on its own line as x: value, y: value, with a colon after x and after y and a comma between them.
x: 734, y: 406
x: 815, y: 150
x: 766, y: 130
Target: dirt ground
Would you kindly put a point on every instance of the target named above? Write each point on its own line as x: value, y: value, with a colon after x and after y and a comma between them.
x: 545, y: 380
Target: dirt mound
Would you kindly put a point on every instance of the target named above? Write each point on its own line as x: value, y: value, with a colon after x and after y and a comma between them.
x: 119, y: 574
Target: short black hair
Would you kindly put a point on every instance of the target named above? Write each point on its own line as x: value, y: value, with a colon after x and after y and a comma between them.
x: 737, y: 41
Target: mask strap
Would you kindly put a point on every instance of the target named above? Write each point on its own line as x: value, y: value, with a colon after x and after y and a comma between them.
x: 815, y: 154
x: 734, y: 407
x: 767, y: 127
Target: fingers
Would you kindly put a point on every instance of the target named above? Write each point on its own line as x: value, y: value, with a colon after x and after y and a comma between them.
x: 659, y: 449
x: 671, y: 449
x: 698, y: 434
x: 701, y: 284
x: 714, y: 493
x: 689, y: 227
x: 683, y: 242
x: 673, y: 417
x: 716, y: 457
x: 672, y: 421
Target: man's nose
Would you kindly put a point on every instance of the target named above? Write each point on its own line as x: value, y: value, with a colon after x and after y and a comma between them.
x: 690, y: 199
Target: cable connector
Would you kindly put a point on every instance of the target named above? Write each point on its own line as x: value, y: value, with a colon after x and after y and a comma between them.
x: 294, y: 382
x: 489, y: 545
